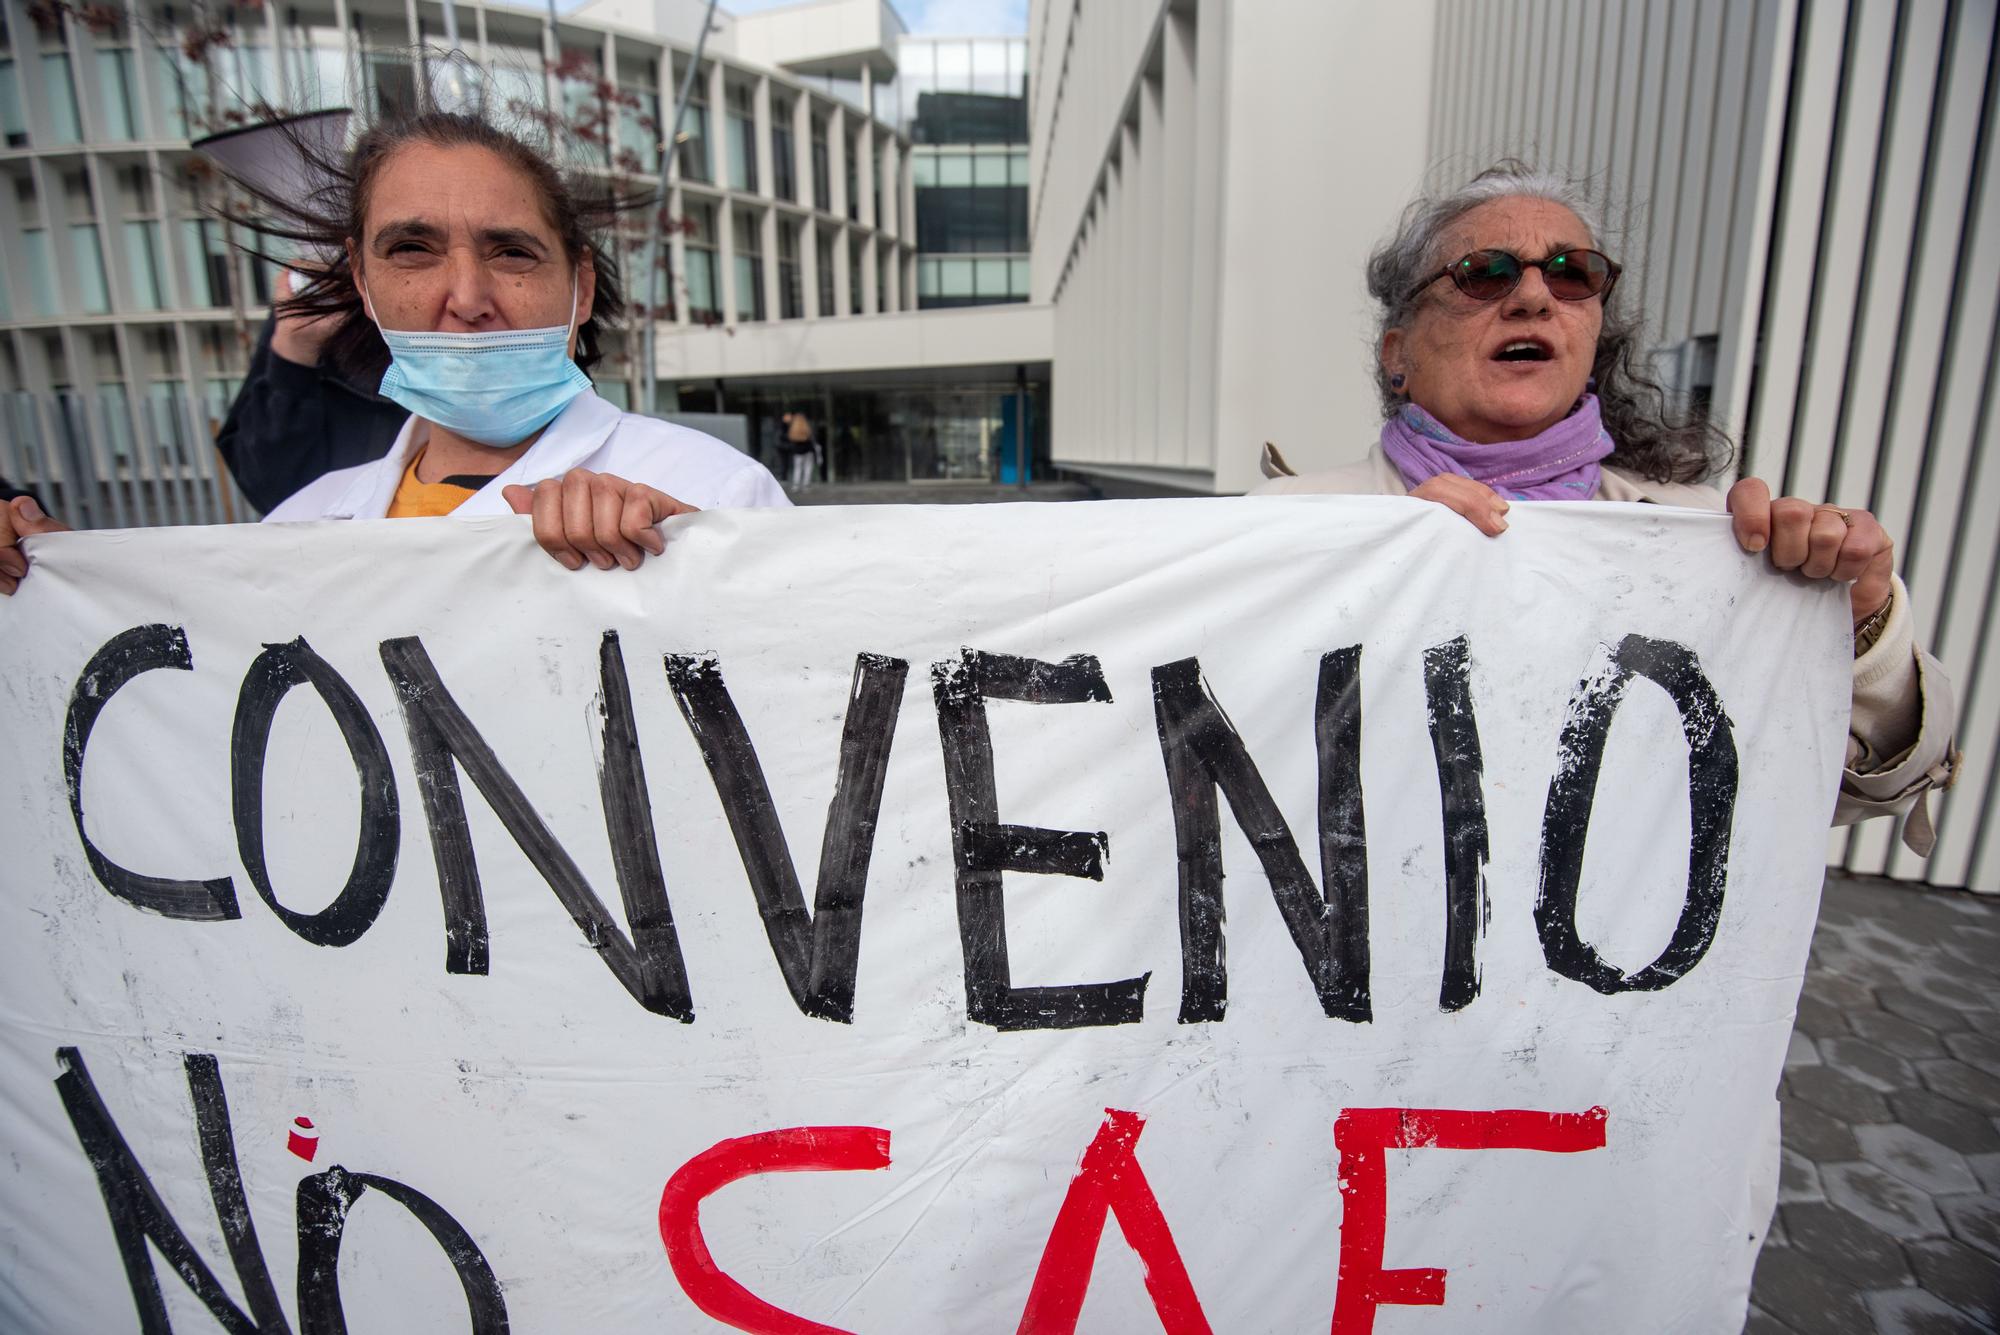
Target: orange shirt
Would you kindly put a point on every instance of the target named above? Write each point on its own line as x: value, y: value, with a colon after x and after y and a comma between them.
x: 415, y: 500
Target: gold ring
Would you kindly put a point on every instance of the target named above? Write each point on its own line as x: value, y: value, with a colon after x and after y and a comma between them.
x: 1846, y: 516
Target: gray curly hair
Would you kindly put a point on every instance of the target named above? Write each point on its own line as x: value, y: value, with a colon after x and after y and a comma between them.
x: 1653, y: 439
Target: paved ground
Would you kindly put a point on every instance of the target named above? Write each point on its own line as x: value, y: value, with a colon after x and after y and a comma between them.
x: 1889, y: 1208
x: 934, y: 493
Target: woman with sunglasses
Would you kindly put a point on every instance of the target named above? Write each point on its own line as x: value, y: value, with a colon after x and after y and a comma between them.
x: 1507, y: 375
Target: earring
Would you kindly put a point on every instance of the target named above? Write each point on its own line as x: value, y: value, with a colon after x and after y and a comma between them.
x: 1396, y: 382
x: 1590, y: 385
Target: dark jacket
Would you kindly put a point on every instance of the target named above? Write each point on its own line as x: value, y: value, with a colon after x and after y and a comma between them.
x: 291, y: 424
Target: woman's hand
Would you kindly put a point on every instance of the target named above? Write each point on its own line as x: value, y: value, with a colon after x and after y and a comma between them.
x: 20, y: 518
x: 595, y: 517
x: 1818, y: 541
x: 1478, y: 502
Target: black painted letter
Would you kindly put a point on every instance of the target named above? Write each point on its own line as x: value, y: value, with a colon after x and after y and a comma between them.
x: 139, y: 1216
x: 125, y: 656
x: 1203, y: 752
x: 323, y: 1202
x: 1566, y: 819
x: 817, y: 952
x: 649, y: 965
x: 1455, y: 744
x: 270, y: 678
x: 983, y: 848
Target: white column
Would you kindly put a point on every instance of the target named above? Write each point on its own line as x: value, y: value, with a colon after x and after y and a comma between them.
x: 836, y: 162
x: 841, y: 302
x: 760, y: 133
x: 809, y: 268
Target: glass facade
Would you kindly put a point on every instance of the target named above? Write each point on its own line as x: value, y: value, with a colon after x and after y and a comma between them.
x: 964, y: 103
x: 704, y: 291
x: 892, y: 429
x: 749, y: 266
x: 784, y: 161
x: 742, y: 139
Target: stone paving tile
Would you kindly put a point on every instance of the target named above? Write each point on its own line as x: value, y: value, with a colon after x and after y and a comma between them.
x: 1889, y: 1214
x: 1946, y: 1121
x: 1892, y: 1033
x: 1882, y: 1199
x: 1917, y: 1159
x: 1955, y: 1080
x: 1881, y: 1071
x: 1963, y: 1277
x: 1821, y: 1136
x: 1763, y: 1323
x: 1980, y: 1050
x: 1798, y: 1179
x: 1907, y: 1004
x: 1812, y: 1297
x: 1863, y: 1256
x: 1918, y: 1312
x: 1841, y: 1094
x: 1975, y: 1220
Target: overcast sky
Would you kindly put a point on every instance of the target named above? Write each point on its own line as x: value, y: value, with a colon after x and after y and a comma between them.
x: 943, y: 18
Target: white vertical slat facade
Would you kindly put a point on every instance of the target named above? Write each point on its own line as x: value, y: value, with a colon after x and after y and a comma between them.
x: 1811, y: 184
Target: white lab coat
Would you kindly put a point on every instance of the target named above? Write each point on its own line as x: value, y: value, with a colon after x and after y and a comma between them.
x: 589, y: 433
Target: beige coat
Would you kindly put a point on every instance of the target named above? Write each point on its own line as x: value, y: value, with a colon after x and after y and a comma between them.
x: 1899, y: 741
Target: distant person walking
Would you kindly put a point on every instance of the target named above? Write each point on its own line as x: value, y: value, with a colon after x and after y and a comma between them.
x: 801, y: 449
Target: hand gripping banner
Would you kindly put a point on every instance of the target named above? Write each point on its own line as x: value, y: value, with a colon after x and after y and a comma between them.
x: 845, y: 920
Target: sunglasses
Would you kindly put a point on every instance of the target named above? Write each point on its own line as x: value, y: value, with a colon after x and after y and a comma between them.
x: 1488, y: 275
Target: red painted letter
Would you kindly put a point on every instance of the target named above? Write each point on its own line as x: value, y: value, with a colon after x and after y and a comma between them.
x: 1361, y: 1134
x: 1109, y: 1180
x: 796, y: 1149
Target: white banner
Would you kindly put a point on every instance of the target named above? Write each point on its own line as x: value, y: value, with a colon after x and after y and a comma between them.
x: 823, y: 928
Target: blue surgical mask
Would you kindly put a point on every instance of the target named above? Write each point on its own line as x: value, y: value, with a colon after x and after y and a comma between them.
x: 495, y: 388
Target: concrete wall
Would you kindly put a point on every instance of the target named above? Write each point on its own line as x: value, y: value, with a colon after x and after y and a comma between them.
x: 968, y: 336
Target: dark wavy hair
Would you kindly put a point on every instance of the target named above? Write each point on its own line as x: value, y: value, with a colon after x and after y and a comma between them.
x: 581, y: 209
x: 1652, y: 437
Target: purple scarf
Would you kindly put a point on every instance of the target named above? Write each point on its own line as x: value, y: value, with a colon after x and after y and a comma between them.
x: 1558, y: 465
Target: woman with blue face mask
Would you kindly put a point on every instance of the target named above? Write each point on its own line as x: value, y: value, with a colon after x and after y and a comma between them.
x: 464, y: 260
x: 468, y: 259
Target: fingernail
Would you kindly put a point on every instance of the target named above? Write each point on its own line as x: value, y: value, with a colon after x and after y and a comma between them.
x: 1756, y: 544
x: 29, y: 510
x: 572, y: 561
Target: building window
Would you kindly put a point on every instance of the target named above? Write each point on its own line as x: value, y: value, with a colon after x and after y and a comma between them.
x: 93, y: 296
x: 41, y: 267
x: 876, y: 183
x: 60, y: 90
x: 639, y: 126
x: 702, y: 288
x: 854, y: 178
x: 853, y: 276
x: 822, y: 167
x: 749, y: 266
x: 824, y: 249
x: 694, y: 128
x: 742, y: 139
x: 114, y: 87
x: 784, y: 166
x: 791, y: 291
x: 13, y: 124
x: 392, y: 85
